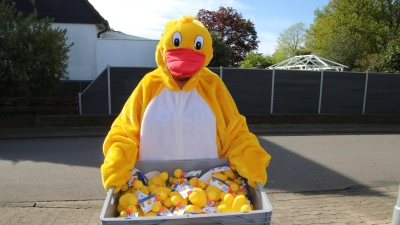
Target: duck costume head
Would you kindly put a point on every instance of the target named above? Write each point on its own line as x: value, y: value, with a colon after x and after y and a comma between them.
x: 184, y: 49
x: 181, y: 111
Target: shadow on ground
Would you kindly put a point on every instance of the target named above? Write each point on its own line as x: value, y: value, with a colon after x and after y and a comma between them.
x: 70, y: 151
x: 287, y: 172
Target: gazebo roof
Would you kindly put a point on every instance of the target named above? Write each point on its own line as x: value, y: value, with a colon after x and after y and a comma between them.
x: 308, y: 62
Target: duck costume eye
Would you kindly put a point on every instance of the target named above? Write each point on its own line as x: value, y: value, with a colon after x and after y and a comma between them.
x: 177, y: 39
x: 185, y: 48
x: 198, y: 42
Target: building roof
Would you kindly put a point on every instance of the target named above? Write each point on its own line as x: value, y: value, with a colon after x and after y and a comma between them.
x: 63, y: 11
x: 308, y: 62
x: 111, y: 34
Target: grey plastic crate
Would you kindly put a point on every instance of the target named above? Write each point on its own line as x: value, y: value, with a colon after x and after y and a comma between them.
x: 260, y: 215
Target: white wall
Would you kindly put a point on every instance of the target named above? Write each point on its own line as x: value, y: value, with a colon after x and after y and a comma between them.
x: 89, y: 55
x: 125, y: 53
x: 82, y: 57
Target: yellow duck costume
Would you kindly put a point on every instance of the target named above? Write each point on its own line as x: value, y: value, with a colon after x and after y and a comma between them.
x: 181, y: 111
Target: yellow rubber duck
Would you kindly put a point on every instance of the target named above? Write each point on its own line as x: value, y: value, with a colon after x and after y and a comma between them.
x: 128, y: 199
x: 177, y: 199
x: 157, y: 207
x: 137, y: 184
x: 196, y: 182
x: 161, y: 193
x: 220, y: 176
x: 231, y: 175
x: 193, y: 208
x: 198, y: 197
x: 226, y: 203
x: 159, y: 180
x: 178, y: 173
x: 232, y: 203
x: 233, y: 187
x: 213, y: 193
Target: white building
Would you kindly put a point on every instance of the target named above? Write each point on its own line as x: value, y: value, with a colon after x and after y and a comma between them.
x: 95, y: 45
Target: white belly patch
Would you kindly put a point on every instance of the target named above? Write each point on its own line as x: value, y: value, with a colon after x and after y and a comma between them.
x: 178, y: 126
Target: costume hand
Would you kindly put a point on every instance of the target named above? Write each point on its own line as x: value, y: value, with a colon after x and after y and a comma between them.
x: 115, y: 171
x: 252, y: 184
x: 117, y: 189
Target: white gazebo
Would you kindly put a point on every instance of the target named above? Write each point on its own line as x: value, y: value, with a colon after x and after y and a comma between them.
x: 308, y: 62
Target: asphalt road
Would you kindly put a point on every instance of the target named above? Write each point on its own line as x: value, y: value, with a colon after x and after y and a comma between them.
x: 332, y: 162
x: 34, y: 170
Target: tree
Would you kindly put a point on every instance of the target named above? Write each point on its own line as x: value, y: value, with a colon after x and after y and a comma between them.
x: 291, y: 42
x: 239, y: 34
x: 391, y: 58
x: 279, y: 55
x: 302, y: 51
x: 369, y: 63
x: 33, y: 55
x: 254, y: 59
x: 221, y: 52
x: 292, y: 39
x: 351, y: 31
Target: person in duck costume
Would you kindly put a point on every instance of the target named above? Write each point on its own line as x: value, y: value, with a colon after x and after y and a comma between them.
x: 181, y: 111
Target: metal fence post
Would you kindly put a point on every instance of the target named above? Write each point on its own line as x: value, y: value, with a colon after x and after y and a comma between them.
x: 320, y: 91
x: 396, y: 211
x: 272, y: 91
x: 220, y: 72
x: 365, y: 92
x: 80, y: 102
x: 109, y: 89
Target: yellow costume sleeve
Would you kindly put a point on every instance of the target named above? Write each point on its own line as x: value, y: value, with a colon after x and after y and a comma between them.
x: 234, y: 139
x: 121, y: 145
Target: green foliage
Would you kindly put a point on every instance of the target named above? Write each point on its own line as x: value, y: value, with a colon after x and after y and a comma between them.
x: 302, y: 51
x: 279, y: 55
x: 221, y: 52
x: 33, y: 55
x: 282, y: 53
x: 254, y: 59
x: 391, y: 59
x: 371, y: 62
x: 353, y: 32
x: 238, y: 34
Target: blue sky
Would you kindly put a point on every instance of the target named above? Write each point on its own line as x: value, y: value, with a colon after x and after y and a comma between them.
x: 147, y: 18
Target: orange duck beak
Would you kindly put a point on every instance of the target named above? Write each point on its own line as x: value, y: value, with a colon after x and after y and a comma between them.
x: 184, y: 62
